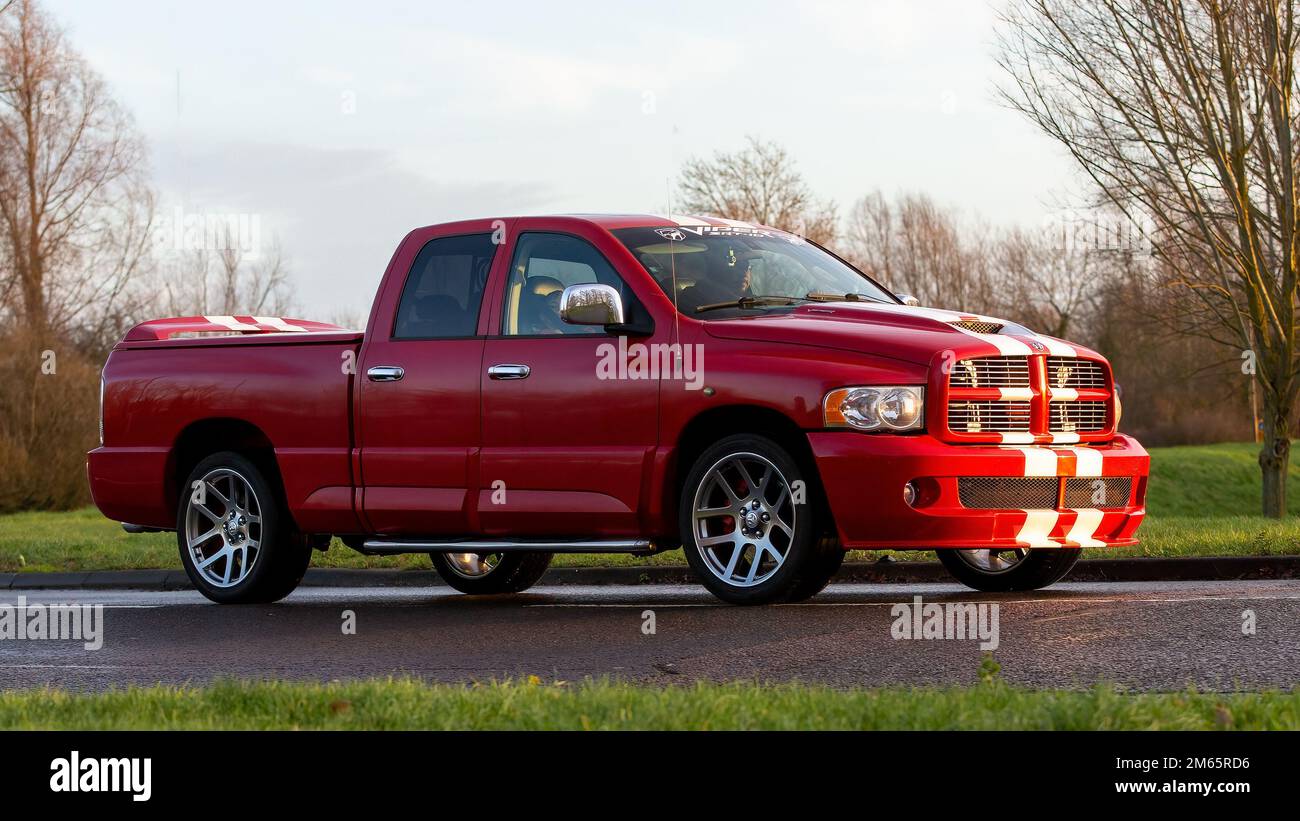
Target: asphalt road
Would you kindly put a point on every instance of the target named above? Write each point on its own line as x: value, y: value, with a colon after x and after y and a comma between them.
x: 1145, y: 636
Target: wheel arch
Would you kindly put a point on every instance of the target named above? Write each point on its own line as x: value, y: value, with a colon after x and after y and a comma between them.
x: 204, y: 437
x: 714, y: 424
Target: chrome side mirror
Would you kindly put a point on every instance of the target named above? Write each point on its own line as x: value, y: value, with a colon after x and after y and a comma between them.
x: 591, y: 304
x: 908, y: 300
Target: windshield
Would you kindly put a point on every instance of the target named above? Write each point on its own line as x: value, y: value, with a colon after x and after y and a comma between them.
x: 716, y: 266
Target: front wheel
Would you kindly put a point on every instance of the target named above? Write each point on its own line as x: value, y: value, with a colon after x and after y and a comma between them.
x: 1000, y: 571
x: 491, y: 573
x: 748, y: 528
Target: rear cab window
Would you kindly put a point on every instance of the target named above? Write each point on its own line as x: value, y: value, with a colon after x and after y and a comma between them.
x: 444, y: 288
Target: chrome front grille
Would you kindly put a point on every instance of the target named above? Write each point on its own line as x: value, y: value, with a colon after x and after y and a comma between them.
x: 981, y: 417
x: 1068, y: 372
x: 1070, y: 417
x: 991, y: 372
x: 1008, y: 492
x: 1053, y: 398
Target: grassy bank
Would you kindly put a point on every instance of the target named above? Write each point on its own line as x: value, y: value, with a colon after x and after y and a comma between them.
x: 1200, y: 503
x: 409, y: 704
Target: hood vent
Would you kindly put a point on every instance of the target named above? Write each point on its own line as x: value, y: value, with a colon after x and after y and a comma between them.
x: 978, y: 327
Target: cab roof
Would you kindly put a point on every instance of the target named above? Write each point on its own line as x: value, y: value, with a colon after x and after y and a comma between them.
x: 612, y: 222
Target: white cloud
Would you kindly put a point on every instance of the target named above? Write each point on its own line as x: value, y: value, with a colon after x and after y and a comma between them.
x: 339, y: 213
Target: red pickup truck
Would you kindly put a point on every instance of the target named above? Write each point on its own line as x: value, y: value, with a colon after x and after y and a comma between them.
x: 538, y: 385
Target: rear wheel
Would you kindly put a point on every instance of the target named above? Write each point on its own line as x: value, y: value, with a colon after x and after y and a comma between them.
x: 490, y: 573
x: 748, y: 529
x: 997, y: 571
x: 236, y: 542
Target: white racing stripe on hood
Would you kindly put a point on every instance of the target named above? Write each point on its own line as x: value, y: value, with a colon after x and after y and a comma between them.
x: 1006, y: 345
x: 1055, y: 347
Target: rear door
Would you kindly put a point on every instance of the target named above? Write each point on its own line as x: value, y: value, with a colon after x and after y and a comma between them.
x: 418, y: 414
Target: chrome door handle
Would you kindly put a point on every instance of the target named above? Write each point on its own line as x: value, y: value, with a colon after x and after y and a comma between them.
x: 509, y: 371
x: 385, y: 373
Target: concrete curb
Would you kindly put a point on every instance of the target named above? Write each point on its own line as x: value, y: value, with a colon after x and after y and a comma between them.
x: 1220, y: 568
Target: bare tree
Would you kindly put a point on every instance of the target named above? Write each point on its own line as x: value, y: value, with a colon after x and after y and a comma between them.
x: 758, y: 184
x: 74, y: 211
x: 1048, y: 280
x: 227, y: 281
x: 1182, y: 115
x: 918, y: 247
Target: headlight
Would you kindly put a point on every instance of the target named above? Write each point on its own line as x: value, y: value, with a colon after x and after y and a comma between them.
x: 889, y: 408
x: 101, y: 410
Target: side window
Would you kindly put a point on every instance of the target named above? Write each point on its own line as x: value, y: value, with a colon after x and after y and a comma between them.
x: 444, y: 288
x: 544, y: 265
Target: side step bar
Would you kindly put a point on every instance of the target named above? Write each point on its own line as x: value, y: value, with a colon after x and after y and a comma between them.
x: 130, y: 528
x: 388, y: 546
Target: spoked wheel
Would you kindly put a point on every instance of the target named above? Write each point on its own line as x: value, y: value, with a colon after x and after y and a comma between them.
x: 747, y: 533
x: 999, y: 570
x: 223, y: 527
x: 473, y: 565
x: 994, y: 561
x: 235, y: 542
x: 487, y: 573
x: 744, y: 518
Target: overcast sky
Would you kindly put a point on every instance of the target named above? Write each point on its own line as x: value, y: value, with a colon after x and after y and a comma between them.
x: 341, y: 125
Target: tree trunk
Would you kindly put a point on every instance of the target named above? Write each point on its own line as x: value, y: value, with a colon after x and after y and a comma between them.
x: 1274, y: 459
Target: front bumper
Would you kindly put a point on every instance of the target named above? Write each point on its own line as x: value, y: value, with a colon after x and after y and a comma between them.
x: 864, y: 476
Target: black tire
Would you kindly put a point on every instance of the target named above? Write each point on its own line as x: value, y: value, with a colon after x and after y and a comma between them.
x: 1042, y: 567
x: 514, y: 573
x: 809, y: 560
x: 282, y: 554
x: 818, y: 571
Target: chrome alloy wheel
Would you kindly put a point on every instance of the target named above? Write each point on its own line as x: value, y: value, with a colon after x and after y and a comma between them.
x: 994, y: 561
x: 743, y: 519
x: 223, y: 527
x: 473, y: 565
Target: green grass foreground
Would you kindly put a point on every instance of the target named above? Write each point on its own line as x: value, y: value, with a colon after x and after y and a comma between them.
x: 600, y: 705
x: 1201, y: 501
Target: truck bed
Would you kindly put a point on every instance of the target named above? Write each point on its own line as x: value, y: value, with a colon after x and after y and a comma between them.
x: 291, y: 390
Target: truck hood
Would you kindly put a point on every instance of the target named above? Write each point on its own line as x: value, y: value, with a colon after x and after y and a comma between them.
x: 909, y: 334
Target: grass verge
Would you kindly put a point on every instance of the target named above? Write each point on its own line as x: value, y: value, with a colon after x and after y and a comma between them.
x: 602, y: 705
x: 1195, y: 504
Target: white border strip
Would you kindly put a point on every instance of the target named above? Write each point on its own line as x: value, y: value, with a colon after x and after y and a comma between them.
x: 1039, y: 461
x: 278, y: 323
x: 1087, y: 461
x: 1037, y: 527
x: 1084, y: 529
x: 231, y: 323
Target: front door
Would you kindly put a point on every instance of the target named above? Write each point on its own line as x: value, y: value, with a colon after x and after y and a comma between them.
x: 566, y: 442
